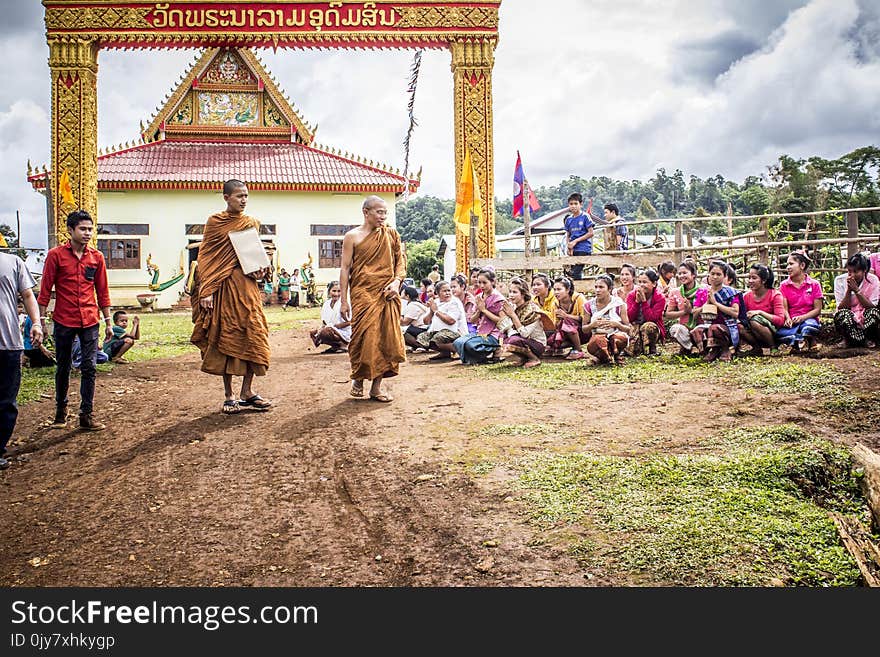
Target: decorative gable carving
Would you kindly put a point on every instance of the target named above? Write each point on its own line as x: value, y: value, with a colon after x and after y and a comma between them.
x: 228, y: 95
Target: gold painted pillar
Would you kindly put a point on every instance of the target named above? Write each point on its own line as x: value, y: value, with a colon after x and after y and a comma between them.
x: 74, y: 68
x: 472, y: 61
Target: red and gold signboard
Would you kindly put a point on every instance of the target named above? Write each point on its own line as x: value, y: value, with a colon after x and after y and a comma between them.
x: 405, y: 23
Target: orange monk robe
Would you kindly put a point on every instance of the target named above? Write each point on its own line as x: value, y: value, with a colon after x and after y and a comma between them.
x: 235, y: 332
x: 376, y: 348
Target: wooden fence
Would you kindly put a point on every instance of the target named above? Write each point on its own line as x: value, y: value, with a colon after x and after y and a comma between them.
x: 829, y: 254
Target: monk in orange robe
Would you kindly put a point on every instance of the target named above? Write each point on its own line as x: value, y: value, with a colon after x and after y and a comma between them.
x: 373, y: 267
x: 230, y: 327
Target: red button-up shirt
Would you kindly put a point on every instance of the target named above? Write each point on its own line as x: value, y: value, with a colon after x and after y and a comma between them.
x: 80, y: 286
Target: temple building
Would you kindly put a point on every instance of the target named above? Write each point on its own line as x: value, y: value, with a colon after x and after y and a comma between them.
x: 226, y: 119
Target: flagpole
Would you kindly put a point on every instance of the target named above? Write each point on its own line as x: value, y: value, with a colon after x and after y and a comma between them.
x: 527, y: 225
x: 473, y: 239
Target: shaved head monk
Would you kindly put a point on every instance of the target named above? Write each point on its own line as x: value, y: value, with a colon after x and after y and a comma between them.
x: 373, y: 267
x: 227, y: 306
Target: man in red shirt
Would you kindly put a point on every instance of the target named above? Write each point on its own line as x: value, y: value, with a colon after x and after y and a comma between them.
x: 79, y: 275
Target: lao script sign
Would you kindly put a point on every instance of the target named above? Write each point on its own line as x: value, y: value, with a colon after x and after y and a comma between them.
x: 273, y: 18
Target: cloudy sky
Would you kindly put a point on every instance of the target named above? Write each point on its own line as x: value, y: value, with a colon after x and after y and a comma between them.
x: 586, y: 87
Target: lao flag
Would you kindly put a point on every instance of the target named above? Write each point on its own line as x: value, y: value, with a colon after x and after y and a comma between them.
x: 518, y: 182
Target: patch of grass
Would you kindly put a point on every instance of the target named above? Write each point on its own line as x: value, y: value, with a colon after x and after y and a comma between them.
x: 786, y: 376
x: 768, y: 374
x: 516, y: 430
x: 712, y: 520
x: 163, y: 335
x: 554, y: 375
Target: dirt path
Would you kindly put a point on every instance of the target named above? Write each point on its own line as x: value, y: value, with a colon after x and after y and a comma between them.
x: 323, y: 490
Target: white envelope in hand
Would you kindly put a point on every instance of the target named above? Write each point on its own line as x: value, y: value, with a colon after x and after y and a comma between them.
x: 250, y: 250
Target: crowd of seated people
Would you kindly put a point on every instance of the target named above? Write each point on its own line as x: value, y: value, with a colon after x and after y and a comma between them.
x: 680, y: 309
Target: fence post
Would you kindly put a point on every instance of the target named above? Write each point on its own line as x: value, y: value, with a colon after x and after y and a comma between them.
x: 763, y: 252
x: 679, y: 242
x: 852, y: 232
x: 542, y: 242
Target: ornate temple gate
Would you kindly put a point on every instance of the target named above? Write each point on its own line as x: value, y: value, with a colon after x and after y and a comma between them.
x: 76, y: 30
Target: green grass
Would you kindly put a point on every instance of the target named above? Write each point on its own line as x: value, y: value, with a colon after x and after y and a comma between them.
x: 738, y: 517
x: 163, y: 335
x: 770, y: 374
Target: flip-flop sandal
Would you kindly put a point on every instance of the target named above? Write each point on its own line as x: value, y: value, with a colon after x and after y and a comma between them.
x: 230, y: 407
x: 255, y: 402
x: 385, y: 399
x: 358, y: 393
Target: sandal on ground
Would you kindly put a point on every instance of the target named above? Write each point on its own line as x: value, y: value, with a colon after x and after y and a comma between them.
x: 356, y: 391
x: 230, y: 407
x: 382, y: 397
x: 256, y: 402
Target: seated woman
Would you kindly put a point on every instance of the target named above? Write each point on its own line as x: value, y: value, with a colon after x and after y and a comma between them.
x: 627, y: 278
x: 717, y: 330
x: 412, y: 321
x: 526, y: 341
x: 607, y: 323
x: 803, y: 305
x: 446, y: 322
x: 680, y: 307
x: 569, y: 320
x: 335, y: 331
x: 545, y: 299
x: 481, y: 348
x: 765, y: 311
x: 667, y: 277
x: 645, y: 306
x: 857, y: 292
x: 460, y: 291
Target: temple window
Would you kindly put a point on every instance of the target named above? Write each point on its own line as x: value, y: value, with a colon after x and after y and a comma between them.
x: 329, y: 254
x: 121, y: 254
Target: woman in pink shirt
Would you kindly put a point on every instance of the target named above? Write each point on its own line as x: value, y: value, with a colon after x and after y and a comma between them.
x: 803, y: 304
x: 481, y: 348
x: 765, y: 309
x: 644, y: 307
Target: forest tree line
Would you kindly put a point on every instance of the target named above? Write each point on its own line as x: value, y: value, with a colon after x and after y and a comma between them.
x: 789, y: 186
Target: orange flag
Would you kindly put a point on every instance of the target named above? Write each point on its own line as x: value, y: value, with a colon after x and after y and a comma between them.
x: 468, y: 199
x: 65, y: 190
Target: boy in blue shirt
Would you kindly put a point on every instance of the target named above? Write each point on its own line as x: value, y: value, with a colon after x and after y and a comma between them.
x: 578, y: 232
x: 122, y: 341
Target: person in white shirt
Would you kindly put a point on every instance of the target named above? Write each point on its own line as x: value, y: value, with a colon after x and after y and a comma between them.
x: 447, y: 322
x: 413, y: 322
x: 335, y: 332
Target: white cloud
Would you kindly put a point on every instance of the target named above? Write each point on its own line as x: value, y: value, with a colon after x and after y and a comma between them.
x: 586, y: 87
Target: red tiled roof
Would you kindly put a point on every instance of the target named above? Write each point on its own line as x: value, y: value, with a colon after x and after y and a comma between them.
x: 196, y: 165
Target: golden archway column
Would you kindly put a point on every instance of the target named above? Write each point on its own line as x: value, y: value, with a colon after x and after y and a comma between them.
x: 73, y: 63
x: 472, y: 62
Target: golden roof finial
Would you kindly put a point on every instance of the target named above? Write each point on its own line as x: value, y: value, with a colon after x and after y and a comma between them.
x: 30, y: 168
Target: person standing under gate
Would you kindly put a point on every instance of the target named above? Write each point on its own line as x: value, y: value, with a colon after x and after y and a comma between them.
x: 79, y: 275
x: 229, y: 326
x: 373, y: 267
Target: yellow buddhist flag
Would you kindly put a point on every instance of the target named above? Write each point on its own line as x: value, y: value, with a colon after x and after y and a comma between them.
x: 3, y: 243
x: 65, y: 190
x: 467, y: 198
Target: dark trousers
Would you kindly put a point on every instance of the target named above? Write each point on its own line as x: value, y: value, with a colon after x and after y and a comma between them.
x: 10, y: 382
x: 88, y: 340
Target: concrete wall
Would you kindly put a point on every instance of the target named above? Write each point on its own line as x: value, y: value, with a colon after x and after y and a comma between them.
x: 168, y: 212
